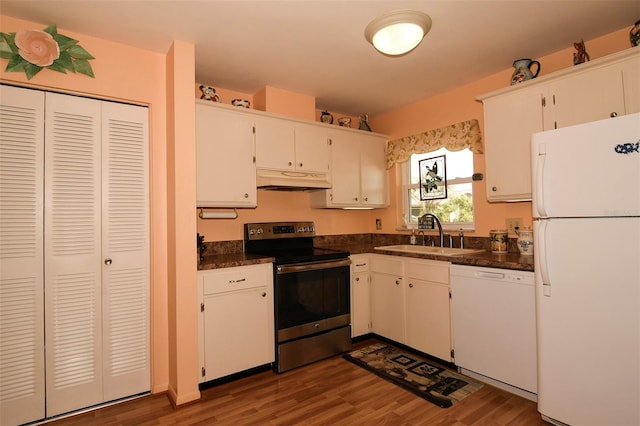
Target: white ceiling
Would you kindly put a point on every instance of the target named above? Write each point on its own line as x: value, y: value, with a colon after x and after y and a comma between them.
x: 318, y: 48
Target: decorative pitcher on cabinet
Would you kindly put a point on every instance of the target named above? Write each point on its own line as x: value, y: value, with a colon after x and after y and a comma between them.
x: 523, y: 71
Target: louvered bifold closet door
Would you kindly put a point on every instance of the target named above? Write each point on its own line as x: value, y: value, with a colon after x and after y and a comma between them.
x: 73, y: 261
x: 125, y: 245
x: 21, y: 255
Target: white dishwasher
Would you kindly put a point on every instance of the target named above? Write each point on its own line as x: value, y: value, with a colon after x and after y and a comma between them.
x: 494, y: 326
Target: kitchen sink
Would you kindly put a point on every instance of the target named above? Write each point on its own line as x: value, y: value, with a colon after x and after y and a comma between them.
x: 440, y: 251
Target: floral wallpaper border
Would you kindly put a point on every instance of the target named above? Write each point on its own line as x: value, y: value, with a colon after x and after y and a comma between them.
x: 455, y: 137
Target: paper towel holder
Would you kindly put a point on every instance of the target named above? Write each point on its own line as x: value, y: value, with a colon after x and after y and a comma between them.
x: 218, y: 214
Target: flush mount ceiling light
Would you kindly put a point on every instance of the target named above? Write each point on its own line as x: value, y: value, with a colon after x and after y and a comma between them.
x: 399, y: 32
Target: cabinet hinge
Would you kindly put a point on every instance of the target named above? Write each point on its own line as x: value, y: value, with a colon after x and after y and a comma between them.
x: 453, y: 353
x: 254, y: 159
x: 202, y: 307
x: 253, y: 129
x: 449, y: 293
x: 329, y: 141
x: 554, y: 99
x: 204, y: 372
x: 544, y: 102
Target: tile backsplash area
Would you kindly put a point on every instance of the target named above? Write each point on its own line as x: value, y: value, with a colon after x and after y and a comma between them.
x: 361, y: 243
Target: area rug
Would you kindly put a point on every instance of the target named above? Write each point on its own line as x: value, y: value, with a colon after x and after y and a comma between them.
x: 436, y: 384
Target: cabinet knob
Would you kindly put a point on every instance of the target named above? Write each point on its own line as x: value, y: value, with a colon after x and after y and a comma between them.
x: 108, y: 261
x: 397, y: 282
x: 290, y: 163
x: 300, y: 165
x: 264, y: 294
x: 246, y: 195
x: 355, y: 198
x: 494, y: 189
x: 613, y: 114
x: 357, y: 279
x: 410, y: 285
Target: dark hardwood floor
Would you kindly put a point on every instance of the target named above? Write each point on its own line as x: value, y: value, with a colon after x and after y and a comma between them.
x: 328, y: 392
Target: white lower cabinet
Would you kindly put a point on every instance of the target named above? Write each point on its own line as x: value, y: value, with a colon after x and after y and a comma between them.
x: 236, y: 321
x: 427, y: 307
x: 410, y: 303
x: 387, y: 301
x: 360, y: 295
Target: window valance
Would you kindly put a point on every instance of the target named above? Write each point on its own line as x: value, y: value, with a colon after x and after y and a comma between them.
x: 456, y: 137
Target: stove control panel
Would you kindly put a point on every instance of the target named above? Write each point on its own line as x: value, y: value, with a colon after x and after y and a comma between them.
x: 275, y: 230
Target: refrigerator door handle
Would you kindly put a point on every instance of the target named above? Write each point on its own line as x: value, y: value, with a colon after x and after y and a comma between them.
x: 539, y: 195
x: 542, y: 253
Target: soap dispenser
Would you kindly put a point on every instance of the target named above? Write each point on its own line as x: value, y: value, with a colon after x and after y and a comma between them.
x: 412, y: 240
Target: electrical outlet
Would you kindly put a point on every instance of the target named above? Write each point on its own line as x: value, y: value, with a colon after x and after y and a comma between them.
x: 512, y: 224
x: 378, y: 224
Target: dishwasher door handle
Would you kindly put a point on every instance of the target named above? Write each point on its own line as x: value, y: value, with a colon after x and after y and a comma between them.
x: 491, y: 275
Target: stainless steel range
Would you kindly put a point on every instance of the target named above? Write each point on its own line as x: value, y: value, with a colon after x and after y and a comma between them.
x: 312, y: 292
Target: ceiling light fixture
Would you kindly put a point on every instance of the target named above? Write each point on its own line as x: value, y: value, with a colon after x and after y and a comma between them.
x: 398, y: 33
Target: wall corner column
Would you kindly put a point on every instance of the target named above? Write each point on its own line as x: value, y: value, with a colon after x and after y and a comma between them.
x: 181, y: 201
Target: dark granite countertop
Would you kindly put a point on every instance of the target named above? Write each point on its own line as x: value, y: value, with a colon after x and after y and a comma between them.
x: 228, y: 260
x: 487, y: 259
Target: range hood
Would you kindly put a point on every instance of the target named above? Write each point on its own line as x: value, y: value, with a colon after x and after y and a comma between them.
x: 291, y: 181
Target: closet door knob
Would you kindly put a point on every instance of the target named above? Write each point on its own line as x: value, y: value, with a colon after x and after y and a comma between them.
x: 108, y: 261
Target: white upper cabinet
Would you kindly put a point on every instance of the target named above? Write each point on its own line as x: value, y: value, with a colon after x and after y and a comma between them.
x: 596, y: 90
x: 225, y: 153
x: 311, y: 148
x: 358, y: 172
x: 509, y: 122
x: 583, y: 97
x: 289, y: 145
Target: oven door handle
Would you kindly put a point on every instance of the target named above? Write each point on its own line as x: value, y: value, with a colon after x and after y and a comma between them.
x: 311, y: 266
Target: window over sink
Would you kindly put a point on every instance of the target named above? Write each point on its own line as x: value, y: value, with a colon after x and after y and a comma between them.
x: 456, y: 210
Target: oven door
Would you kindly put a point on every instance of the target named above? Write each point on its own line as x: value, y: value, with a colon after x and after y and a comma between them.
x: 311, y: 298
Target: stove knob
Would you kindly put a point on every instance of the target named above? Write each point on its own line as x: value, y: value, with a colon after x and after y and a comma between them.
x: 259, y: 231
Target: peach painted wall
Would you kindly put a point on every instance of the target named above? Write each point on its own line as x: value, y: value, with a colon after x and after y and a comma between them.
x: 278, y: 101
x: 181, y: 171
x: 141, y: 81
x: 459, y: 105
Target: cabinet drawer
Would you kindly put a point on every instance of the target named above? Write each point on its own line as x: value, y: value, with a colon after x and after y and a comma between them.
x: 359, y: 264
x: 428, y: 271
x: 390, y: 265
x: 233, y: 279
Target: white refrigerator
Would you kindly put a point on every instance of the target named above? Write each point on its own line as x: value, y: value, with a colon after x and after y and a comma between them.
x: 586, y: 209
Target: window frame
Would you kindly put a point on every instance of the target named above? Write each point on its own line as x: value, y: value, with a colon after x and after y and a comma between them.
x: 407, y: 185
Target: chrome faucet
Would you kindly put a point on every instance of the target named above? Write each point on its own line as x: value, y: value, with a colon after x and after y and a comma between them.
x: 437, y: 221
x: 461, y: 235
x: 423, y: 240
